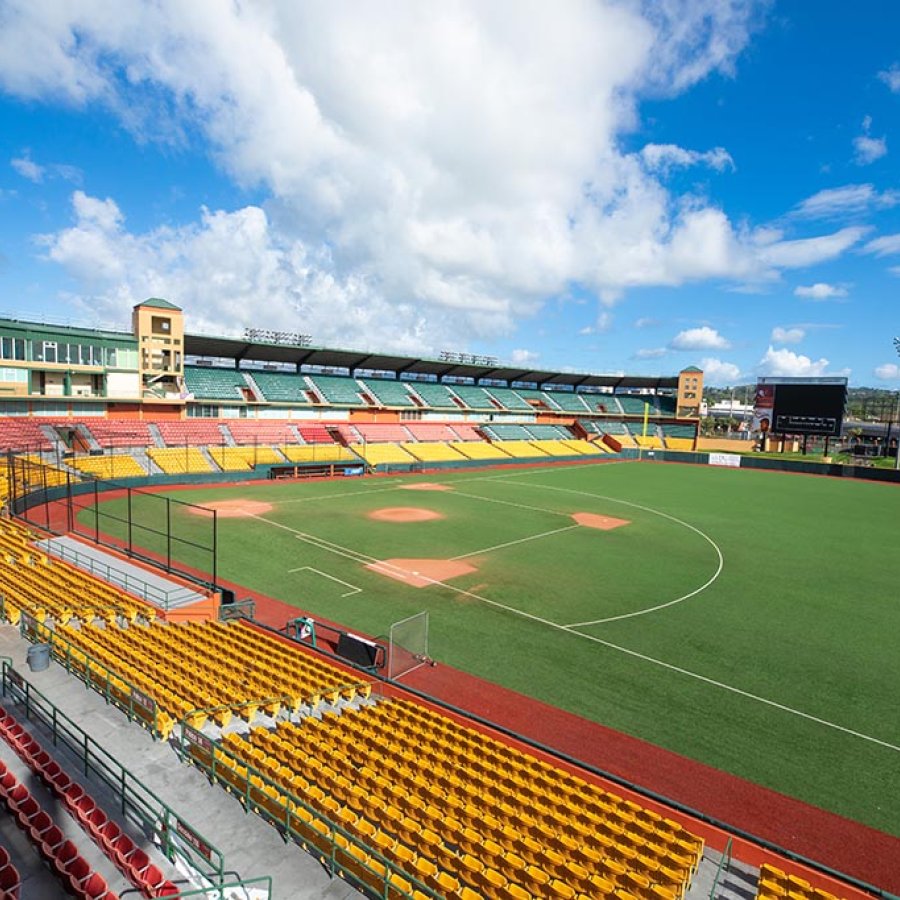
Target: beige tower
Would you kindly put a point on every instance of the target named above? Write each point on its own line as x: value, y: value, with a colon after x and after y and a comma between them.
x: 159, y: 328
x: 690, y: 393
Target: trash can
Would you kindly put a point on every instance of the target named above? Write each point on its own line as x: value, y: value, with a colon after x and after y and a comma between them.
x: 38, y: 657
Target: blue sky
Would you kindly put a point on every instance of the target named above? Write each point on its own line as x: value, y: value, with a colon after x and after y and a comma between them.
x: 606, y: 187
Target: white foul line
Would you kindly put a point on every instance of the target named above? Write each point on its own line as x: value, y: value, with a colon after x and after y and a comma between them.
x: 355, y: 589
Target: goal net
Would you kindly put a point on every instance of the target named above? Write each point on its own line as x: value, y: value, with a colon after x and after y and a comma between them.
x: 408, y: 645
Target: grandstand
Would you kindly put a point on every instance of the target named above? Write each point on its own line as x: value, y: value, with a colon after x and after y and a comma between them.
x: 388, y: 393
x: 336, y: 390
x: 281, y: 387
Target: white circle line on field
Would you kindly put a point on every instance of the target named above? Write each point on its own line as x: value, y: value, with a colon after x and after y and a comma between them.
x: 720, y: 559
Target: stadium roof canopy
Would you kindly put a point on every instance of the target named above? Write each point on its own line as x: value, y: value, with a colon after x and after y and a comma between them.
x: 240, y: 350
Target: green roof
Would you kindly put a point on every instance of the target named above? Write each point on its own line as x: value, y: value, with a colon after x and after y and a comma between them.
x: 158, y: 303
x: 692, y: 369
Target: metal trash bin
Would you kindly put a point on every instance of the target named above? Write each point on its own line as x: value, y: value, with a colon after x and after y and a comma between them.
x: 38, y: 657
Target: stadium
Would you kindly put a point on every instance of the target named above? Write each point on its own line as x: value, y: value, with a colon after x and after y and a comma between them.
x: 290, y: 621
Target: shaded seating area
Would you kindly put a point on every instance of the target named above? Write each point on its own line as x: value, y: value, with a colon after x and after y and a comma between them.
x: 435, y: 396
x: 214, y: 383
x: 336, y: 390
x: 388, y: 393
x: 281, y: 387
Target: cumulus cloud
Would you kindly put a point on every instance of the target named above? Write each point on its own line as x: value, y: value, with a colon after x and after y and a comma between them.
x: 891, y: 77
x: 664, y: 157
x: 820, y: 291
x: 888, y: 372
x: 409, y: 160
x: 787, y: 335
x: 718, y: 373
x: 786, y: 362
x: 866, y: 148
x: 703, y: 338
x: 850, y: 199
x: 883, y: 246
x: 28, y: 168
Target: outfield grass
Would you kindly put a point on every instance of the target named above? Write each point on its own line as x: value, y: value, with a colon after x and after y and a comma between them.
x: 799, y: 612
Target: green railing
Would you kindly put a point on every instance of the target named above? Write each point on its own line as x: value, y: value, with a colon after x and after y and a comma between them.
x: 136, y: 802
x: 137, y: 706
x: 724, y: 863
x: 300, y: 822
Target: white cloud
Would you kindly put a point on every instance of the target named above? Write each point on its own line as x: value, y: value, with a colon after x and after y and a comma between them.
x: 28, y: 168
x: 894, y: 270
x: 787, y: 335
x: 809, y: 251
x: 847, y: 200
x: 646, y: 322
x: 524, y: 357
x: 786, y: 362
x: 866, y: 148
x: 718, y: 373
x: 664, y: 157
x: 402, y: 153
x: 703, y: 338
x: 888, y: 372
x: 650, y: 353
x: 820, y: 291
x: 891, y: 77
x: 883, y: 246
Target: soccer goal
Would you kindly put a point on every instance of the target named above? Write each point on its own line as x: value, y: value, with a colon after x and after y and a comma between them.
x: 408, y: 645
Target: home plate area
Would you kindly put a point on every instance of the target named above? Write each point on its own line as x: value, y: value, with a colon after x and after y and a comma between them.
x: 421, y: 572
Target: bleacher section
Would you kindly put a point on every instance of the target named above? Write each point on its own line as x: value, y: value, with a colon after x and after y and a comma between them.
x: 774, y: 884
x: 537, y: 398
x: 261, y: 431
x: 193, y: 432
x: 118, y: 433
x: 24, y: 434
x: 382, y: 454
x: 111, y: 467
x: 553, y: 448
x: 235, y: 459
x: 388, y: 393
x: 508, y: 399
x: 208, y: 383
x: 336, y: 390
x: 434, y: 396
x: 179, y: 460
x: 507, y: 432
x: 318, y: 453
x: 568, y: 402
x: 378, y: 433
x: 666, y: 405
x: 520, y: 449
x: 649, y: 441
x: 315, y: 434
x: 422, y: 431
x: 465, y: 432
x: 437, y: 451
x: 588, y: 448
x: 548, y: 432
x: 634, y: 406
x: 479, y: 450
x: 678, y: 437
x: 473, y: 397
x: 281, y: 387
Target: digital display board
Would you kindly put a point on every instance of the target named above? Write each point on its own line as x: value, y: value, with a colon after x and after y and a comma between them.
x: 800, y: 406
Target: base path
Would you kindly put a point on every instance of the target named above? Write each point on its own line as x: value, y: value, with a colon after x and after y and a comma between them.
x: 233, y: 509
x: 421, y: 572
x: 426, y: 486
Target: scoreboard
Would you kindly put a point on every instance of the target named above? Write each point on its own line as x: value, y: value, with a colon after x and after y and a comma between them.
x: 801, y: 405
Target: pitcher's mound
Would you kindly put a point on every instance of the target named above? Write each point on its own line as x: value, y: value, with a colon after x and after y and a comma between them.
x: 604, y: 523
x: 233, y: 509
x: 404, y: 514
x: 421, y: 572
x: 426, y: 486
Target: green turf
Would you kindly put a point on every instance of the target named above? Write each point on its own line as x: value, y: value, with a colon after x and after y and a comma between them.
x: 803, y: 614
